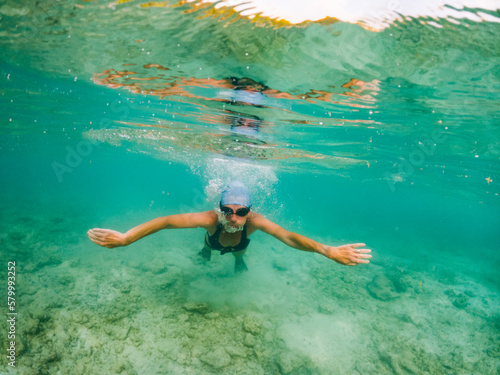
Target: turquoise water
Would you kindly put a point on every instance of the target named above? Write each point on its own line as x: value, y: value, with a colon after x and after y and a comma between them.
x: 114, y: 114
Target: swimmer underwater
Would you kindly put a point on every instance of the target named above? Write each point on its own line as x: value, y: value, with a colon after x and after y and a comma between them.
x: 228, y: 229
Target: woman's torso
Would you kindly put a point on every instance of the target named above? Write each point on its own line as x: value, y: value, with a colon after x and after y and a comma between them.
x: 231, y: 239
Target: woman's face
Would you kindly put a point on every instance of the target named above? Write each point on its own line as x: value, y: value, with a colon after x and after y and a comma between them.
x: 230, y: 220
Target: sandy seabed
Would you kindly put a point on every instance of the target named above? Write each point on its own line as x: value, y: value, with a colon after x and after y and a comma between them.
x: 156, y: 308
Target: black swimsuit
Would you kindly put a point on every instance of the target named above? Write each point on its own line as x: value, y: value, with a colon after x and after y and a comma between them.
x: 213, y: 241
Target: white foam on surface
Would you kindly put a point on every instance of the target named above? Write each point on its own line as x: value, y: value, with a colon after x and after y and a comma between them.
x: 376, y: 14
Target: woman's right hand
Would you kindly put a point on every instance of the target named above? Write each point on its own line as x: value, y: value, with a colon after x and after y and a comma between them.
x: 107, y: 237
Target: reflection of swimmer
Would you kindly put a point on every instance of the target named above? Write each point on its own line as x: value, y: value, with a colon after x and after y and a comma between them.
x: 243, y: 129
x: 233, y: 90
x: 228, y: 229
x: 247, y: 91
x: 158, y: 141
x: 247, y: 84
x: 246, y: 125
x: 243, y: 91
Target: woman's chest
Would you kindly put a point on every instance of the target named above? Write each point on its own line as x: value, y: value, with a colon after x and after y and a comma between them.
x: 229, y: 239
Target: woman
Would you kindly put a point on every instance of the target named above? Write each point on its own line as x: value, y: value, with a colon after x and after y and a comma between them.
x: 228, y: 229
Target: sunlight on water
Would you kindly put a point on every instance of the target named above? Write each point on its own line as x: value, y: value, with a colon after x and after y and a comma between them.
x: 373, y: 122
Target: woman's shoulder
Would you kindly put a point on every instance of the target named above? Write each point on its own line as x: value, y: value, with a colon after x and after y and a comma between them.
x: 255, y: 220
x: 212, y: 220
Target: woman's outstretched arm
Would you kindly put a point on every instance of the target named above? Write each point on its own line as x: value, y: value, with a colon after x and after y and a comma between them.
x: 111, y: 238
x: 349, y: 255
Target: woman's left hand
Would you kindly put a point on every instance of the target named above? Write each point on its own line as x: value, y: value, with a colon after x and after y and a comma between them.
x: 348, y: 255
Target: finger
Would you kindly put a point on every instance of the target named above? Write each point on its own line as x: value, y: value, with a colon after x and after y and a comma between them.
x: 101, y: 234
x: 357, y: 244
x: 92, y: 233
x: 363, y: 261
x: 96, y: 240
x: 93, y: 236
x: 99, y: 230
x: 362, y: 253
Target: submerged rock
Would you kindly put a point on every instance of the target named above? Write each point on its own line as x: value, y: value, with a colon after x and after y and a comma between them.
x: 470, y: 293
x: 252, y: 325
x: 327, y: 307
x: 280, y: 267
x: 156, y: 268
x: 118, y: 310
x: 450, y: 293
x: 212, y: 315
x: 249, y: 340
x: 134, y: 334
x: 42, y: 261
x: 79, y: 317
x: 118, y: 332
x: 399, y: 364
x: 493, y: 351
x: 201, y: 308
x: 413, y: 318
x: 382, y: 288
x: 289, y: 363
x: 217, y: 358
x: 401, y: 282
x: 236, y: 350
x: 461, y: 301
x: 31, y: 326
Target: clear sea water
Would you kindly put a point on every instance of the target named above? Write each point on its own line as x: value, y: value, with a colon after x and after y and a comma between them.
x: 114, y: 114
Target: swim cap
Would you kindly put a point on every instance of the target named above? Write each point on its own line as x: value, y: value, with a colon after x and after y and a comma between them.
x: 236, y: 193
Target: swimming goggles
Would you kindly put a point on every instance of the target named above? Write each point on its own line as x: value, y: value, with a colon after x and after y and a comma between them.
x: 227, y: 211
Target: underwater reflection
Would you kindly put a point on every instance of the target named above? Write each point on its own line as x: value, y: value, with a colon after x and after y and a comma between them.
x: 243, y: 127
x: 237, y: 137
x: 231, y: 90
x: 232, y: 130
